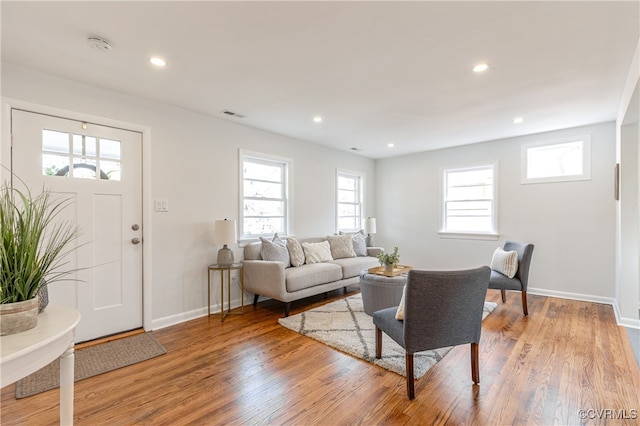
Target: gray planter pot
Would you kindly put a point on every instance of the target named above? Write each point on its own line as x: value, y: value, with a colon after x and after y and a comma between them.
x: 43, y: 299
x: 18, y: 317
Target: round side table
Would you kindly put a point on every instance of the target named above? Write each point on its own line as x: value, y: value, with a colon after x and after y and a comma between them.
x: 380, y: 292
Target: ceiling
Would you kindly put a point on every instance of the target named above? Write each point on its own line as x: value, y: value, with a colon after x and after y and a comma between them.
x: 376, y: 72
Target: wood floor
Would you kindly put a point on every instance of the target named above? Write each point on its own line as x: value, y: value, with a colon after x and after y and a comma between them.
x: 541, y: 370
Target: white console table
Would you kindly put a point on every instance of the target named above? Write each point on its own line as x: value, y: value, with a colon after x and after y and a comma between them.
x: 24, y: 353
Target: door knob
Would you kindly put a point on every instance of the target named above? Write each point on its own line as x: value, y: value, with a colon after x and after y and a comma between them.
x: 135, y: 240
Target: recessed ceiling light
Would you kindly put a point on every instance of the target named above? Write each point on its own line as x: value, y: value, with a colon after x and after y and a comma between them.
x: 518, y: 120
x: 481, y: 67
x: 158, y: 62
x: 317, y: 119
x: 391, y: 145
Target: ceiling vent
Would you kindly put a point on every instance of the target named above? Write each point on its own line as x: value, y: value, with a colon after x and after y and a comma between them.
x: 232, y: 114
x: 99, y: 43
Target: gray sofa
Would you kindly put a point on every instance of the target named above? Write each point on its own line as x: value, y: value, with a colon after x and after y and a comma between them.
x: 274, y: 279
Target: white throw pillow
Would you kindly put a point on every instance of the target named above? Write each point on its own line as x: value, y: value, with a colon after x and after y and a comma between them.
x: 296, y: 254
x: 275, y: 249
x: 341, y: 246
x: 359, y: 242
x: 400, y: 311
x: 317, y: 252
x: 505, y: 262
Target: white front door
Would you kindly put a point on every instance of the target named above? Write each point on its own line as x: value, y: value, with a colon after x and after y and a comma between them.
x: 99, y: 169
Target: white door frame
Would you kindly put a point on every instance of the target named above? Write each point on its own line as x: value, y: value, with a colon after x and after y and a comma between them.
x: 5, y: 157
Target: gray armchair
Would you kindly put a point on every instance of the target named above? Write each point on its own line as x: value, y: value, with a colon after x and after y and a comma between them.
x: 520, y: 280
x: 442, y: 308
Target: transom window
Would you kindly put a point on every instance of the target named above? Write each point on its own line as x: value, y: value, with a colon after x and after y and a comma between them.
x: 80, y: 156
x: 265, y: 196
x: 349, y: 201
x: 557, y: 161
x: 469, y: 202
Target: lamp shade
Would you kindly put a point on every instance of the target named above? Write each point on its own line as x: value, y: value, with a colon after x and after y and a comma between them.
x: 370, y: 225
x: 225, y: 232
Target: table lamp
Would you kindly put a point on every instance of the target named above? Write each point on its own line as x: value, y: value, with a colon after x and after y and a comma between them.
x: 225, y: 233
x: 369, y: 229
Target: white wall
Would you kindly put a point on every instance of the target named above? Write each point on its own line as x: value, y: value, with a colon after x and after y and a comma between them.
x: 192, y: 160
x: 628, y: 212
x: 572, y: 224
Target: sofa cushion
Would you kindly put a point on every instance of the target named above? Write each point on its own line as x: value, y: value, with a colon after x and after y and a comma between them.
x: 341, y: 246
x: 311, y: 275
x: 359, y: 242
x: 317, y: 252
x: 352, y: 266
x: 296, y: 254
x: 275, y: 250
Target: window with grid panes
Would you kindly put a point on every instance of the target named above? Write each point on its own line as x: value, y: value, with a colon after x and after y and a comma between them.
x: 265, y: 199
x: 349, y: 201
x: 469, y: 200
x: 80, y: 156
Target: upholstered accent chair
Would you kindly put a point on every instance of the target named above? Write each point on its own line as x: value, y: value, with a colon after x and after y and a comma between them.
x: 441, y: 309
x: 520, y: 280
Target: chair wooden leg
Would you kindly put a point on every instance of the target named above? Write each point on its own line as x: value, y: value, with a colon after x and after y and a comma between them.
x: 378, y: 343
x: 524, y: 304
x: 287, y: 308
x: 475, y: 370
x: 255, y: 299
x: 409, y: 367
x: 503, y: 292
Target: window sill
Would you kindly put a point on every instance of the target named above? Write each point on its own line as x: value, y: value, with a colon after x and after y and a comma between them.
x: 488, y: 236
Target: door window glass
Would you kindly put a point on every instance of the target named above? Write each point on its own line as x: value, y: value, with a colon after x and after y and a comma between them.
x: 80, y: 156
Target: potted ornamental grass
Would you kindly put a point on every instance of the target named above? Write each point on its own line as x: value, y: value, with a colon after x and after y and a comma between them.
x: 34, y: 242
x: 389, y: 260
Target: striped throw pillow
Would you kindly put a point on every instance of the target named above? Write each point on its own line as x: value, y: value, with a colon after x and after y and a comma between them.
x: 505, y: 262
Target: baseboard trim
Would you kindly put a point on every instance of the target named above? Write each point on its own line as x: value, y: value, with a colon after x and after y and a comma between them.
x: 202, y: 312
x: 573, y: 296
x: 159, y: 323
x: 622, y: 321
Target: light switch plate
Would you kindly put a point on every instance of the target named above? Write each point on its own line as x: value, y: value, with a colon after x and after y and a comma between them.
x: 161, y: 205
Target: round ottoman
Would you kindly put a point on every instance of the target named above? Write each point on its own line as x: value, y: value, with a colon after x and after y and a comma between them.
x: 380, y: 292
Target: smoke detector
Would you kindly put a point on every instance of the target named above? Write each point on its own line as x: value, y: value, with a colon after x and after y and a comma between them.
x: 99, y: 43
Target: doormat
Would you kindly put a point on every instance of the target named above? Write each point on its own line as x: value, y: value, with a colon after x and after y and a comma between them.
x: 93, y: 360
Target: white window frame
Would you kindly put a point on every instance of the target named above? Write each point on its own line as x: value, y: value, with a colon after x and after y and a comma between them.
x: 361, y: 186
x: 286, y: 164
x: 586, y: 160
x: 474, y: 235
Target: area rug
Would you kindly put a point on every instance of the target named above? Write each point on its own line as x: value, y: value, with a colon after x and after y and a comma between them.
x: 345, y: 326
x: 92, y: 361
